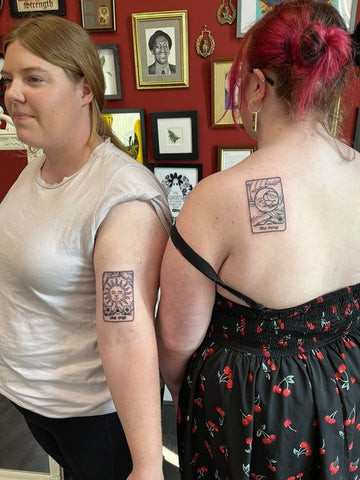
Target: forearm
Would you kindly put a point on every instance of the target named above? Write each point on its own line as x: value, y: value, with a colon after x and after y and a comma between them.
x: 131, y: 368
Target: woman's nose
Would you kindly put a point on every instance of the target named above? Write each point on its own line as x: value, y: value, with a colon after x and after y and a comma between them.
x: 14, y: 91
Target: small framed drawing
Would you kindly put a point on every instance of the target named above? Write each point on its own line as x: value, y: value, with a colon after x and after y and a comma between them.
x: 357, y: 132
x: 175, y: 135
x: 249, y: 11
x: 161, y: 49
x: 1, y: 78
x: 228, y: 156
x: 23, y: 8
x: 221, y: 117
x: 109, y: 57
x: 98, y: 15
x: 128, y: 124
x: 177, y: 181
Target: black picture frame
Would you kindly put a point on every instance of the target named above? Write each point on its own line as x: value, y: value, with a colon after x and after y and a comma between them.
x: 357, y: 132
x: 126, y: 123
x: 110, y: 61
x: 98, y: 15
x: 23, y: 8
x: 184, y: 130
x: 177, y: 181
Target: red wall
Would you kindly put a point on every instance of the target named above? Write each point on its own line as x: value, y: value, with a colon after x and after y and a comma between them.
x: 196, y: 97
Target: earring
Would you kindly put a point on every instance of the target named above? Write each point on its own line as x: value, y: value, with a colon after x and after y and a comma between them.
x: 254, y: 116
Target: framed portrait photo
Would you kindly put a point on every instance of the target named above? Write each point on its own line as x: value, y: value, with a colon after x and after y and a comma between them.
x: 177, y: 181
x: 161, y: 49
x: 128, y: 124
x: 109, y: 57
x: 23, y: 8
x: 98, y: 15
x: 231, y: 155
x: 175, y: 135
x: 249, y: 11
x: 221, y: 117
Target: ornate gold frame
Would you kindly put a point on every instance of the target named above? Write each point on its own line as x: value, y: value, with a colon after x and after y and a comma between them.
x: 142, y: 24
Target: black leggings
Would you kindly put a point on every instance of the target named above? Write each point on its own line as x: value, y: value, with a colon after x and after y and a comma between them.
x: 89, y: 448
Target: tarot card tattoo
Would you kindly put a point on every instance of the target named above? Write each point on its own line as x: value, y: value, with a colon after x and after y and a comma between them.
x: 266, y: 205
x: 118, y: 296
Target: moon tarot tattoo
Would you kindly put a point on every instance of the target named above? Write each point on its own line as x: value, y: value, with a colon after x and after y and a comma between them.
x: 118, y: 296
x: 266, y: 205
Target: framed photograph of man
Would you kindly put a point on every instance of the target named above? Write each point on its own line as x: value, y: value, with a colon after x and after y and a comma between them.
x: 161, y: 49
x: 98, y: 15
x: 23, y: 8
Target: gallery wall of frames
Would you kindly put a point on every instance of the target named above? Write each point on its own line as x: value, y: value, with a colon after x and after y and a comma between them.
x: 172, y: 121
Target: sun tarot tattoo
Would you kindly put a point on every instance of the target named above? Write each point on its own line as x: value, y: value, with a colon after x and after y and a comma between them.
x: 266, y: 205
x: 118, y: 296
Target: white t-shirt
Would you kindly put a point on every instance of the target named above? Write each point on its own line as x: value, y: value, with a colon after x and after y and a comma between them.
x: 49, y: 360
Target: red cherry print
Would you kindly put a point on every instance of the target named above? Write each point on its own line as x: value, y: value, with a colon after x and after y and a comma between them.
x: 229, y: 384
x: 342, y: 368
x: 334, y: 467
x: 266, y: 440
x: 358, y: 426
x: 347, y: 422
x: 320, y: 356
x: 250, y: 377
x: 351, y: 445
x: 305, y: 445
x: 322, y: 451
x: 353, y: 467
x: 277, y: 389
x: 353, y: 380
x: 272, y: 438
x: 286, y: 392
x: 221, y: 411
x: 272, y: 467
x: 287, y: 422
x: 227, y: 370
x: 257, y: 408
x: 248, y: 441
x: 343, y: 356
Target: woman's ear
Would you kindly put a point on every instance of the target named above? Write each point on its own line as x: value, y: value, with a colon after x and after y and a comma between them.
x: 85, y: 91
x: 258, y: 84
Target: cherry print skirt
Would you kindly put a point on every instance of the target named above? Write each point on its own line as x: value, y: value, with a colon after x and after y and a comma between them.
x: 275, y: 394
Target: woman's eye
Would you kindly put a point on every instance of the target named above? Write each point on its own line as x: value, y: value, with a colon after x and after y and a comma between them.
x: 34, y: 80
x: 5, y: 81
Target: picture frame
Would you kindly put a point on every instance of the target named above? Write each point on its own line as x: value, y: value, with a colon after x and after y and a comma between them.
x: 98, y: 15
x: 24, y: 8
x: 221, y: 117
x: 248, y: 12
x: 177, y: 180
x: 175, y: 135
x: 357, y: 132
x: 168, y: 30
x: 109, y: 57
x: 128, y: 124
x: 1, y: 78
x: 231, y: 155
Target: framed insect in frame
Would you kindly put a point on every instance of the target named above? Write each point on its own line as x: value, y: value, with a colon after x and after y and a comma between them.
x: 109, y: 57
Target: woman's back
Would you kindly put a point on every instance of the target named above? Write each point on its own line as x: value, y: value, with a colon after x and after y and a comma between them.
x: 315, y: 249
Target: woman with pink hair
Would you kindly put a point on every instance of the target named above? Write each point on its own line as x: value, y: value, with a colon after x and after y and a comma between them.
x: 259, y: 320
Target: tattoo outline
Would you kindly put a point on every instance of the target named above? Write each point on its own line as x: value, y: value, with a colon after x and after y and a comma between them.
x: 118, y: 296
x: 266, y: 205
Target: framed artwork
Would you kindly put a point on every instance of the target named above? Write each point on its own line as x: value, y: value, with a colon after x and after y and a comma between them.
x: 161, y: 49
x: 228, y: 156
x: 23, y: 8
x: 175, y: 135
x: 177, y: 181
x: 98, y: 15
x: 357, y: 132
x: 249, y: 11
x: 1, y: 79
x: 109, y: 57
x: 221, y: 117
x: 128, y: 124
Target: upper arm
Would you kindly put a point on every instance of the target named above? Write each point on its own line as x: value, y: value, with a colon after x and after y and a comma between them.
x: 187, y: 295
x: 127, y: 258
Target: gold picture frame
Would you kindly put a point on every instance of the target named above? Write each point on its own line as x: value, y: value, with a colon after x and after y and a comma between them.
x: 221, y: 117
x: 172, y: 26
x: 98, y: 15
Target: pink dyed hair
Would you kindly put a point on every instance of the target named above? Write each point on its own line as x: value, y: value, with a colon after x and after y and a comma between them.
x: 304, y: 47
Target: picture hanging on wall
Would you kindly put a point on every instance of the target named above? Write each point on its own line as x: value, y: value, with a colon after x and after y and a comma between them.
x: 1, y: 78
x: 177, y: 181
x: 249, y: 11
x: 357, y: 132
x: 109, y: 57
x: 221, y: 117
x: 128, y: 124
x: 98, y: 15
x: 23, y: 8
x: 175, y: 135
x: 161, y: 49
x: 228, y: 156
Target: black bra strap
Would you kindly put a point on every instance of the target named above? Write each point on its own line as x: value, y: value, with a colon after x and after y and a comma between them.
x: 204, y: 267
